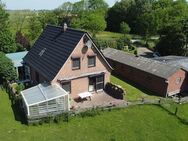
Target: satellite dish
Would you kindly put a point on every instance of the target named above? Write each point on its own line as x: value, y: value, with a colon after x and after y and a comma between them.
x: 89, y: 44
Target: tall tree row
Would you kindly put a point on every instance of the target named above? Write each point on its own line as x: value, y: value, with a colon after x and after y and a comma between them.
x: 86, y: 14
x: 7, y: 43
x: 153, y: 17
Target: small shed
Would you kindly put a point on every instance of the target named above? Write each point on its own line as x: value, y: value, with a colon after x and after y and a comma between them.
x: 17, y: 60
x: 45, y: 99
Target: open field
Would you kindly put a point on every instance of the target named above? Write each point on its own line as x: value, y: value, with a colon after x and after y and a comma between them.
x: 19, y: 19
x: 148, y: 122
x: 105, y: 35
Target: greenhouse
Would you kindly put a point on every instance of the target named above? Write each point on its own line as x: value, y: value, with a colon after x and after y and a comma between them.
x: 45, y: 99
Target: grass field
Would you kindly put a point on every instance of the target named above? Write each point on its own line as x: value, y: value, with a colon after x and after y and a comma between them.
x: 132, y: 92
x: 105, y: 35
x: 141, y: 123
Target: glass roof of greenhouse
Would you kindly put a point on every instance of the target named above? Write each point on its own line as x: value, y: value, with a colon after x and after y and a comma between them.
x: 42, y: 93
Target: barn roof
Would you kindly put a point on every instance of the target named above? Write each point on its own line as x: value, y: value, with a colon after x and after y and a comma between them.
x: 42, y: 93
x: 53, y: 48
x: 145, y: 64
x: 177, y: 61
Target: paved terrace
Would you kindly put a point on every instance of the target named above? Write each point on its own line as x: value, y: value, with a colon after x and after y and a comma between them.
x: 97, y: 100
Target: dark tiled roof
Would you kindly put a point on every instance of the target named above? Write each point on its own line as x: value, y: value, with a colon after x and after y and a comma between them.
x: 52, y: 49
x: 145, y: 64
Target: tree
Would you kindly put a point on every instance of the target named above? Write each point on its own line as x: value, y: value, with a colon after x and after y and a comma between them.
x: 46, y: 17
x: 66, y: 7
x: 147, y: 26
x: 3, y: 16
x: 19, y: 20
x: 7, y: 70
x: 117, y: 14
x: 35, y: 27
x: 127, y: 11
x: 7, y: 43
x: 22, y: 42
x: 97, y: 5
x: 172, y: 42
x: 124, y: 28
x: 185, y: 31
x: 173, y: 33
x: 79, y: 7
x: 94, y: 22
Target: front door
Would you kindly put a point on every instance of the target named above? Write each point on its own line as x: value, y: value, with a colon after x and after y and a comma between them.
x: 96, y: 83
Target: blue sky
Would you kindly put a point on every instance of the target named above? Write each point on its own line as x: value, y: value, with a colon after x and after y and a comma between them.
x: 39, y: 4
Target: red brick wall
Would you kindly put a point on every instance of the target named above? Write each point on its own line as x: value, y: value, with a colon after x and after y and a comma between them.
x: 66, y: 70
x: 175, y: 86
x: 78, y: 86
x: 81, y: 84
x: 151, y: 82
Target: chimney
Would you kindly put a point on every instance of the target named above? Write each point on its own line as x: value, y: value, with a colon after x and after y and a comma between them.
x: 65, y: 27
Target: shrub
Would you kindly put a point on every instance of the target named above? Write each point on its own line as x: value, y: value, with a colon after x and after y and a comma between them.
x: 90, y: 113
x: 151, y: 45
x: 120, y: 44
x: 66, y: 117
x: 19, y: 88
x: 124, y: 28
x: 57, y: 119
x: 7, y: 70
x: 123, y: 41
x: 135, y: 53
x: 102, y: 44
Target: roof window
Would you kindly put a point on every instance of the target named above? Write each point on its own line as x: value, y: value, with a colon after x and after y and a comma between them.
x: 42, y: 52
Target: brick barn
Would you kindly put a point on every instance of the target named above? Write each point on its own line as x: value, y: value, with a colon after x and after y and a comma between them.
x: 161, y: 78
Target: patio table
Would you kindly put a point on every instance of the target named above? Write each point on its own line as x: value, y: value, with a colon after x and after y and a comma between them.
x: 85, y: 95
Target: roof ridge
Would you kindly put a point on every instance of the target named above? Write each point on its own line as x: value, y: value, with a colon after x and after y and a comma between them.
x: 42, y: 91
x: 57, y: 26
x: 142, y: 63
x: 117, y: 50
x: 69, y: 28
x: 58, y: 47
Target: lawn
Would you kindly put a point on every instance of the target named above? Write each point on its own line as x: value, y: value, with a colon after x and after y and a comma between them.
x: 135, y: 123
x: 105, y: 35
x: 183, y: 111
x: 132, y: 92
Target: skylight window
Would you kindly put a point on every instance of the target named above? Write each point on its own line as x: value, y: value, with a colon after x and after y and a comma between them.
x: 42, y: 52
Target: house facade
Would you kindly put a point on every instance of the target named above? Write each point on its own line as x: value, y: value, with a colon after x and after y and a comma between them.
x: 68, y: 58
x: 158, y: 77
x: 83, y: 71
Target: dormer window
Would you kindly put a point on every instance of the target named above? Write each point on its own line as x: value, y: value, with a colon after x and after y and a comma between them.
x: 91, y: 61
x: 75, y: 63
